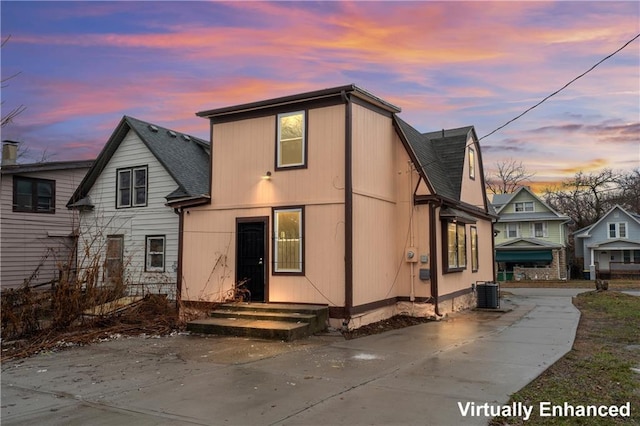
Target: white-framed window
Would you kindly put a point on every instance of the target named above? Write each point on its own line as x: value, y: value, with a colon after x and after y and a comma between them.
x: 524, y: 206
x: 456, y: 243
x: 513, y: 230
x: 291, y: 144
x: 288, y: 237
x: 155, y: 253
x: 131, y: 187
x: 472, y: 163
x: 474, y: 249
x: 618, y: 230
x: 539, y: 230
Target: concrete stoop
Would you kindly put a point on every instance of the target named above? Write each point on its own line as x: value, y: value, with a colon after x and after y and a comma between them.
x: 279, y: 321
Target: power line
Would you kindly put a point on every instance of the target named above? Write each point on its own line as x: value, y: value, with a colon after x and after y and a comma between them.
x: 562, y: 88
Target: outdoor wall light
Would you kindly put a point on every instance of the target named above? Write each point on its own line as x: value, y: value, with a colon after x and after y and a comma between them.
x: 266, y: 176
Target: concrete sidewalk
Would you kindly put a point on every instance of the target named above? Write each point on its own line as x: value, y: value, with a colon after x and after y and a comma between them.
x: 413, y: 376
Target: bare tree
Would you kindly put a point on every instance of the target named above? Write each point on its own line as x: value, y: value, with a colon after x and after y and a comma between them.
x: 586, y: 197
x: 13, y: 113
x: 629, y: 190
x: 508, y: 177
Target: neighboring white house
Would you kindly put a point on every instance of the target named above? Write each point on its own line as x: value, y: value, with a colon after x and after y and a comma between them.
x: 37, y: 233
x: 610, y: 248
x: 127, y: 231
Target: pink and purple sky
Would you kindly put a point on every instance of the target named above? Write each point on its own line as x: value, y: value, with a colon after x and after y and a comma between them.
x: 83, y: 65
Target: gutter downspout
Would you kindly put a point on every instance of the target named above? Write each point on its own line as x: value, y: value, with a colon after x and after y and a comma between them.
x: 180, y: 213
x: 348, y: 212
x: 412, y: 293
x: 433, y: 247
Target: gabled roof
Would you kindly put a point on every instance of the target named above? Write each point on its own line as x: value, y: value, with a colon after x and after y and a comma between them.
x: 586, y: 231
x: 500, y: 201
x: 185, y: 158
x: 440, y: 155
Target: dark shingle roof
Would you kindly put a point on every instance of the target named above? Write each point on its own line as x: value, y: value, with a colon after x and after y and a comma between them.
x: 441, y: 156
x: 185, y: 157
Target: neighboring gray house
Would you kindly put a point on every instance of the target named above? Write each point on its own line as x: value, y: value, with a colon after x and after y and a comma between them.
x: 530, y: 238
x: 610, y: 248
x: 127, y: 231
x: 37, y: 233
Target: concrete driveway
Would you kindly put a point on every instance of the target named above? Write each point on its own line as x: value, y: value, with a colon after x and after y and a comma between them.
x: 420, y: 375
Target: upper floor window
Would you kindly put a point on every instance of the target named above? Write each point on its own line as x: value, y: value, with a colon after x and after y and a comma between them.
x: 288, y: 240
x: 618, y: 230
x: 525, y: 206
x: 513, y: 230
x: 472, y: 163
x: 456, y: 242
x: 291, y: 144
x: 32, y: 195
x: 132, y: 187
x: 539, y: 229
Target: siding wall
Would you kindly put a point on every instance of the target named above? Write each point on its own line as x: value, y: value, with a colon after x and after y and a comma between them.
x: 31, y: 238
x: 239, y: 192
x: 382, y: 208
x: 133, y: 223
x: 556, y: 231
x: 472, y: 190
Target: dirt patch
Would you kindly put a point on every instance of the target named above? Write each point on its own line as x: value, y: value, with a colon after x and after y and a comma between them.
x: 393, y: 323
x: 155, y: 315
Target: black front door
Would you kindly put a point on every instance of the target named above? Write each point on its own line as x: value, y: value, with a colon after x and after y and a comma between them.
x: 250, y: 256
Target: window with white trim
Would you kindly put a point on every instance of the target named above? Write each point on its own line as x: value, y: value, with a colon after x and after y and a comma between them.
x: 291, y: 143
x: 474, y: 249
x: 472, y: 163
x: 131, y: 187
x: 513, y: 230
x: 456, y: 243
x: 524, y: 206
x: 155, y: 253
x: 618, y: 230
x: 288, y: 247
x: 539, y: 230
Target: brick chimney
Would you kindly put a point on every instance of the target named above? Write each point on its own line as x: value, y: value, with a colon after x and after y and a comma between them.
x: 9, y: 152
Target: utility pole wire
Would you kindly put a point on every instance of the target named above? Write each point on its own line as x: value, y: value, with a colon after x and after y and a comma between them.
x: 561, y: 89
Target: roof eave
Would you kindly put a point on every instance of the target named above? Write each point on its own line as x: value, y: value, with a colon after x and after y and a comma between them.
x: 292, y: 99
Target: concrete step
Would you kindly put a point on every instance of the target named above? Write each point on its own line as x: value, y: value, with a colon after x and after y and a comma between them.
x: 276, y: 307
x: 257, y: 315
x: 263, y: 329
x: 264, y: 320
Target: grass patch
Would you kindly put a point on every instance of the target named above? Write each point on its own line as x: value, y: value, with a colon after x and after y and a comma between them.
x: 597, y: 370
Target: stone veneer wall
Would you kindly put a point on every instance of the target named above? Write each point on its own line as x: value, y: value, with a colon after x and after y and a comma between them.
x: 556, y: 271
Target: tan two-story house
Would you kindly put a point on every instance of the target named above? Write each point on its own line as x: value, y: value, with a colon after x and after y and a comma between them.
x: 328, y: 197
